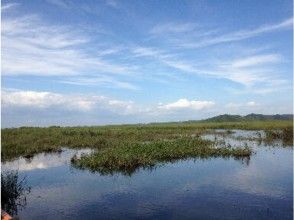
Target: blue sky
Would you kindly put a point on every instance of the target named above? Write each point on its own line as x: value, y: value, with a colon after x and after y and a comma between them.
x: 109, y: 61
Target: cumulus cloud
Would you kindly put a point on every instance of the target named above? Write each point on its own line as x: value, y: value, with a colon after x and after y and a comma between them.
x: 49, y: 100
x: 42, y: 108
x: 45, y: 100
x: 21, y: 107
x: 186, y: 104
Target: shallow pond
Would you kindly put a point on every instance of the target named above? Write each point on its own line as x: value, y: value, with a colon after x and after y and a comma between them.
x: 216, y: 188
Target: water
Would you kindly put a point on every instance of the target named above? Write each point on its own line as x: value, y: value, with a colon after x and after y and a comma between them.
x: 216, y: 188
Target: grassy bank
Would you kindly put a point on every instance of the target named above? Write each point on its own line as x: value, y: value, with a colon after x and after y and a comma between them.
x: 28, y: 141
x: 128, y: 158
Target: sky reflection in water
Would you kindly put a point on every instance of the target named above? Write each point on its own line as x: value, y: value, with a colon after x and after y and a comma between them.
x: 211, y: 188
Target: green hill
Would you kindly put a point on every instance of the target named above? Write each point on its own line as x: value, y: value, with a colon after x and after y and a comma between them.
x: 250, y: 117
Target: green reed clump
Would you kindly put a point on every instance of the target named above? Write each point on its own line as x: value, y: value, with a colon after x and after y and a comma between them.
x: 285, y: 134
x: 128, y: 158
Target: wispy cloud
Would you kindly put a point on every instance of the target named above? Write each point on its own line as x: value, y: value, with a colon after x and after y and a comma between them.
x: 8, y: 6
x: 239, y: 35
x: 168, y: 59
x: 274, y: 85
x: 251, y: 70
x: 31, y: 47
x: 257, y: 60
x: 104, y: 81
x: 246, y: 70
x: 90, y: 56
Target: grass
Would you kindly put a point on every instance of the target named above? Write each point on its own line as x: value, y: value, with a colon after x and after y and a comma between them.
x: 125, y: 147
x: 128, y: 158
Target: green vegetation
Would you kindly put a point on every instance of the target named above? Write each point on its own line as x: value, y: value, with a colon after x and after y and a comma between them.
x: 126, y: 147
x: 128, y: 158
x: 27, y: 141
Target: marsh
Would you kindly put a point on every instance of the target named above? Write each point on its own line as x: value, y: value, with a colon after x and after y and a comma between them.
x: 188, y: 171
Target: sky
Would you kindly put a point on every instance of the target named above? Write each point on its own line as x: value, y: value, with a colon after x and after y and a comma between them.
x: 97, y: 62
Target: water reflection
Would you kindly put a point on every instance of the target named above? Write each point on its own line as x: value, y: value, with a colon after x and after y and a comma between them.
x: 44, y: 160
x: 242, y: 138
x: 259, y: 187
x: 13, y: 192
x: 134, y: 169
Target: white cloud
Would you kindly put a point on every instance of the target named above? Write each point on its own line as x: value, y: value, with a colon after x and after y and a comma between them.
x: 251, y: 103
x: 41, y: 108
x: 168, y: 59
x: 88, y: 103
x: 257, y: 60
x: 257, y: 69
x: 104, y: 81
x: 239, y: 35
x: 31, y: 47
x: 41, y: 160
x: 8, y: 6
x: 270, y: 86
x: 48, y: 100
x: 186, y: 104
x: 247, y: 71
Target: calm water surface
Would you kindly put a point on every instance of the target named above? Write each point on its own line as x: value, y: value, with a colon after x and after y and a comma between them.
x: 216, y: 188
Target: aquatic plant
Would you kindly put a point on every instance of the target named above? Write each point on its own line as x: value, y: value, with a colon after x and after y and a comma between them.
x: 13, y: 192
x: 285, y: 134
x: 126, y: 159
x: 28, y: 141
